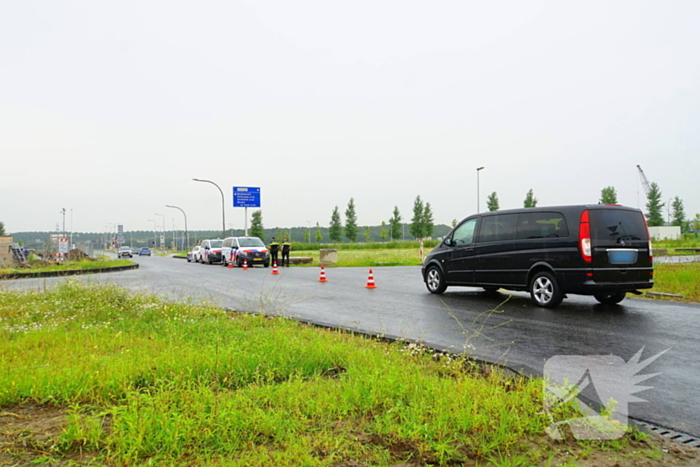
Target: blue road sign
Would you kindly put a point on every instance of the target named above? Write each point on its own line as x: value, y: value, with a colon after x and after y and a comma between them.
x: 246, y: 197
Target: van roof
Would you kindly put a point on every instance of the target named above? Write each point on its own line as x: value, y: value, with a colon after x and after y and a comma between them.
x: 571, y: 207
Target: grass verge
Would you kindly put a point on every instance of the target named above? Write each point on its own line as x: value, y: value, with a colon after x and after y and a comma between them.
x: 45, y: 266
x: 681, y: 279
x: 104, y: 377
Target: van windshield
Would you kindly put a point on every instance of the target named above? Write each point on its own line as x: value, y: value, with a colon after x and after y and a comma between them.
x: 216, y: 243
x: 617, y: 225
x: 251, y: 242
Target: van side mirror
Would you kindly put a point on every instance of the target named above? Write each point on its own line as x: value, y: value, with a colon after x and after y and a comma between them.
x: 448, y: 241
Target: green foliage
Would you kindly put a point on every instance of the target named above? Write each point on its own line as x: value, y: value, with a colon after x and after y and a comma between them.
x: 367, y: 234
x: 678, y: 213
x: 395, y: 224
x: 256, y: 225
x: 319, y: 235
x: 382, y: 231
x: 530, y: 200
x: 335, y: 231
x: 2, y: 229
x: 608, y: 195
x: 654, y: 206
x: 351, y: 228
x: 454, y: 223
x: 492, y: 202
x: 428, y: 221
x: 416, y: 228
x: 422, y: 223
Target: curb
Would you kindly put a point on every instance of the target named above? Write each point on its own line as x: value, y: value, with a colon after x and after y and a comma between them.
x: 68, y: 272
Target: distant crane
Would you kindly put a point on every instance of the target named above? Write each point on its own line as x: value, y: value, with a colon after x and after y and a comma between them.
x: 643, y: 179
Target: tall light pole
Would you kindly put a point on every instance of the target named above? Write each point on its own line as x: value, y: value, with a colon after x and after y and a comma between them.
x: 155, y: 235
x: 308, y: 230
x: 478, y: 169
x: 162, y: 243
x: 187, y: 238
x: 668, y: 208
x: 63, y: 211
x: 223, y: 206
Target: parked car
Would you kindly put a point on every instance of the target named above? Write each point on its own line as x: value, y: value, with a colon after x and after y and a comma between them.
x: 125, y: 251
x: 600, y: 250
x: 194, y: 254
x: 210, y: 251
x: 145, y: 251
x: 236, y: 250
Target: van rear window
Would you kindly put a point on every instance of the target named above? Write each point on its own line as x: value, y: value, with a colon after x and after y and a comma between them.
x: 617, y: 225
x: 541, y: 225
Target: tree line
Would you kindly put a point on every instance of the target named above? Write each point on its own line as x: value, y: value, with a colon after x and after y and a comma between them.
x: 608, y: 195
x: 422, y: 225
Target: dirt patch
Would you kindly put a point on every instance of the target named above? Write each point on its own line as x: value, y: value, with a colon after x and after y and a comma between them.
x: 29, y: 435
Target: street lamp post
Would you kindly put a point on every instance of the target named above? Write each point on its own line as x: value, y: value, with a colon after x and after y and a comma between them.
x: 223, y: 206
x: 478, y: 169
x: 187, y: 238
x: 162, y: 243
x: 63, y: 211
x: 308, y: 230
x: 155, y: 235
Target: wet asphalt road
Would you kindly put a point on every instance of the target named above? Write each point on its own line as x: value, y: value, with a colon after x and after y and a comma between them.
x: 504, y: 328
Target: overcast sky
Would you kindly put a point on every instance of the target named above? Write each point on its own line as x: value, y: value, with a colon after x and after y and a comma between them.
x: 109, y: 109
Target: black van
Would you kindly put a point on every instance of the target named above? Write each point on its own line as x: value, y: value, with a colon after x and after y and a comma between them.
x: 601, y: 250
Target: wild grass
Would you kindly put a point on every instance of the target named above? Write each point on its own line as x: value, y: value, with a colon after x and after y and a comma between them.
x: 681, y: 279
x: 687, y: 241
x: 144, y: 381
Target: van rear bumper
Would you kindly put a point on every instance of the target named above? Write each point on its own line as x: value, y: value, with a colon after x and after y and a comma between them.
x: 591, y: 287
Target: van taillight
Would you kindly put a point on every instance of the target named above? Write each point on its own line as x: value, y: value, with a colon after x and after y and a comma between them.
x: 646, y: 226
x: 584, y: 237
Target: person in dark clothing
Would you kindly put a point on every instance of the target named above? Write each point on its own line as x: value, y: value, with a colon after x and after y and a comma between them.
x: 274, y: 251
x: 286, y: 246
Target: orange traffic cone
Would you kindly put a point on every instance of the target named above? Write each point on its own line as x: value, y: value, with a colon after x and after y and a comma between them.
x: 245, y: 264
x: 370, y: 281
x: 274, y: 268
x: 230, y: 264
x: 322, y: 278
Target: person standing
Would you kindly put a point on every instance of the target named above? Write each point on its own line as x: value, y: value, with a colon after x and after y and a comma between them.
x: 274, y: 251
x: 286, y: 246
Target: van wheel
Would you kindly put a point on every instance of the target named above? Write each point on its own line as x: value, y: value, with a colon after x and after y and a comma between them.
x: 434, y: 280
x: 612, y: 298
x: 545, y: 290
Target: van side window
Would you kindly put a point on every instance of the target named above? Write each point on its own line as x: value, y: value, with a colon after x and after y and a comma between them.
x: 541, y: 225
x: 464, y: 234
x: 498, y: 228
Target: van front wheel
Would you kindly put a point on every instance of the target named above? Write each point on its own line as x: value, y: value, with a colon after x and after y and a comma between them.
x: 434, y: 280
x: 545, y: 290
x: 611, y: 298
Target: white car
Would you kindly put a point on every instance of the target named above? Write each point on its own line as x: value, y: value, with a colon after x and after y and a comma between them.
x: 195, y: 255
x: 125, y: 251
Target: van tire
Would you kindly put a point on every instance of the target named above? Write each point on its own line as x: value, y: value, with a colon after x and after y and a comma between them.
x: 610, y: 298
x: 434, y: 280
x: 545, y: 290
